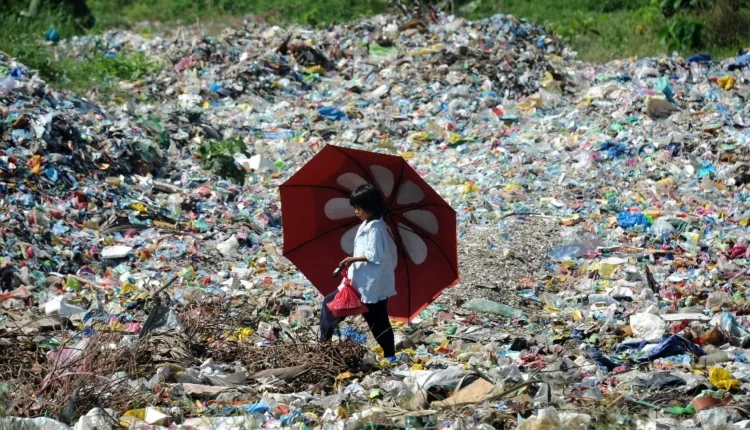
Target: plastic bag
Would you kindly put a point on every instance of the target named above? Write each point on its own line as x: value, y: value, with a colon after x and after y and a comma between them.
x: 722, y: 379
x: 347, y: 302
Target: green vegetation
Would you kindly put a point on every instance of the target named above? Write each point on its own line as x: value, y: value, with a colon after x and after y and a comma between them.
x: 218, y: 158
x: 600, y: 30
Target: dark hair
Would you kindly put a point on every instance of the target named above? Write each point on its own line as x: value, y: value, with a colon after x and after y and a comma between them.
x: 368, y: 198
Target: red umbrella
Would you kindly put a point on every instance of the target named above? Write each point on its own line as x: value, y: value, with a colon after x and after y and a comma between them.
x: 319, y: 224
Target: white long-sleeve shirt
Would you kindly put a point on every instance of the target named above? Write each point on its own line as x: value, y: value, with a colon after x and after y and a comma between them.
x: 375, y: 279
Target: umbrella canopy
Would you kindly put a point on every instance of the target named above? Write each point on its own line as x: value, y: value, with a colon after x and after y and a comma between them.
x: 320, y: 226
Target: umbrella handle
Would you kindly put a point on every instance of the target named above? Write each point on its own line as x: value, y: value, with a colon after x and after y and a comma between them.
x: 338, y: 270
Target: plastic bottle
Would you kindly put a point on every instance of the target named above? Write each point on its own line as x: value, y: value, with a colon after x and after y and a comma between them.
x: 266, y: 331
x: 564, y: 253
x: 715, y: 358
x: 601, y: 298
x: 662, y: 227
x: 717, y: 299
x: 484, y: 305
x: 552, y: 300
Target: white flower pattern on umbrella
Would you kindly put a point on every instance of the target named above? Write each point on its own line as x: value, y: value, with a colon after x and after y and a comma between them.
x: 408, y: 193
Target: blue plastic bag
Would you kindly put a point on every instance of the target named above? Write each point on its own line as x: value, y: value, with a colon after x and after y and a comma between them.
x: 742, y: 60
x: 699, y: 58
x: 628, y: 219
x: 669, y: 346
x: 332, y: 113
x: 662, y: 84
x: 594, y: 354
x: 707, y: 170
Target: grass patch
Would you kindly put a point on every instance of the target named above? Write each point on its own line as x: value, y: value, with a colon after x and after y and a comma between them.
x: 80, y: 75
x: 24, y: 39
x: 314, y: 13
x: 604, y: 30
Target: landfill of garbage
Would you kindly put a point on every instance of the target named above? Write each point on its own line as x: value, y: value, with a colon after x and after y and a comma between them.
x: 602, y: 222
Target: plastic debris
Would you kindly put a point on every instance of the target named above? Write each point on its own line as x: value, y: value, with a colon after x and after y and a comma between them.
x: 602, y: 216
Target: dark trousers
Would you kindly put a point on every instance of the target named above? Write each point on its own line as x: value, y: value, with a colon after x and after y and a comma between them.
x: 376, y: 317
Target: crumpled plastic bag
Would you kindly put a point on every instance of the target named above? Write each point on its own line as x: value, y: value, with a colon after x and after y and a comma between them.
x: 722, y: 379
x: 229, y: 247
x: 726, y: 82
x: 647, y: 326
x: 669, y: 346
x: 162, y: 319
x: 32, y: 424
x: 550, y: 419
x: 347, y: 302
x: 425, y: 379
x: 739, y: 336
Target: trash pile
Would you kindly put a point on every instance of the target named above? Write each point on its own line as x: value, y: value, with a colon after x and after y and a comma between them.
x: 603, y: 207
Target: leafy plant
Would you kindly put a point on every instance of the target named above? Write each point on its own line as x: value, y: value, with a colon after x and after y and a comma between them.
x: 681, y: 33
x: 578, y: 25
x: 218, y: 157
x: 672, y: 7
x: 726, y: 24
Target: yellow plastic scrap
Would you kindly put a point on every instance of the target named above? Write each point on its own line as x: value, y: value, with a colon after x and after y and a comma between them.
x: 407, y: 155
x: 136, y: 413
x: 36, y: 164
x: 241, y: 334
x: 317, y: 69
x: 668, y: 182
x: 410, y: 352
x: 127, y: 288
x: 138, y: 206
x: 454, y: 138
x: 117, y: 326
x: 531, y: 103
x: 427, y: 51
x: 726, y: 82
x: 512, y: 187
x: 417, y: 366
x: 420, y: 136
x: 722, y: 379
x: 385, y: 364
x: 606, y: 270
x: 549, y: 81
x: 470, y: 187
x: 653, y: 213
x: 575, y: 219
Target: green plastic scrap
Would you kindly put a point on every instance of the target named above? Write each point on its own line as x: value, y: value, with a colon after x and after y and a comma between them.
x: 72, y: 284
x: 677, y: 410
x: 380, y: 51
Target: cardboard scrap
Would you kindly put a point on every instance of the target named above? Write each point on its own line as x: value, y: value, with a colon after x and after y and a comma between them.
x: 472, y: 393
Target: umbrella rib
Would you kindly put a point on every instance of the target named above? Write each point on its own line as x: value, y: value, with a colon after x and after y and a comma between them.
x: 349, y: 224
x: 398, y: 184
x: 322, y: 187
x: 424, y: 235
x: 402, y: 250
x: 425, y: 205
x: 351, y: 157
